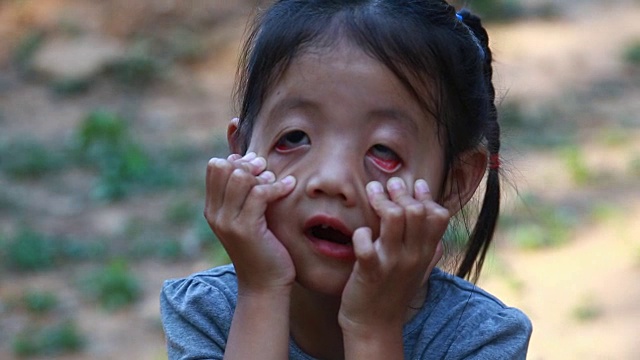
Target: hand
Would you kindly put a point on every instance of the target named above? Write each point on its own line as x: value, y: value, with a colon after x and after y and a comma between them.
x: 389, y: 271
x: 238, y: 191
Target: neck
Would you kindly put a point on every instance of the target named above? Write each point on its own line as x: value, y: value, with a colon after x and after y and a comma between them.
x: 314, y: 323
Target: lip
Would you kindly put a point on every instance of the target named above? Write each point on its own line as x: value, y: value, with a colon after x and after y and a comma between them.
x: 327, y: 248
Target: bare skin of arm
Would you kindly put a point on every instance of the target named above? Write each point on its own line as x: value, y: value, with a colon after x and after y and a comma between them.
x: 389, y: 273
x: 389, y: 269
x: 238, y: 191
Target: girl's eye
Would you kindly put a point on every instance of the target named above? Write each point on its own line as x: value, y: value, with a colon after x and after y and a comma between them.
x: 292, y: 140
x: 385, y: 158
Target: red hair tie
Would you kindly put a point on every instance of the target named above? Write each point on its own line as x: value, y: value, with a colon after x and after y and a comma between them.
x: 494, y: 161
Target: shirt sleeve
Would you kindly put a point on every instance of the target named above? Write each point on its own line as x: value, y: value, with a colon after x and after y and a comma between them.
x: 196, y: 318
x: 503, y: 335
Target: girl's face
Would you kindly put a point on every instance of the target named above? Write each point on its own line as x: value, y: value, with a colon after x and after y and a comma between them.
x: 336, y: 120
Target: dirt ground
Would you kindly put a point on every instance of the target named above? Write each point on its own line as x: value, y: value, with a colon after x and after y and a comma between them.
x: 583, y: 295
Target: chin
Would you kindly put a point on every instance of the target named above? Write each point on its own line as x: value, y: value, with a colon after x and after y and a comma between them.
x: 329, y: 282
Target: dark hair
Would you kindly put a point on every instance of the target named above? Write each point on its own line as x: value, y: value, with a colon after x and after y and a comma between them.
x: 424, y: 43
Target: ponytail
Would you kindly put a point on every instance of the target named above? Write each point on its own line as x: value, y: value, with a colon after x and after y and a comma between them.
x: 482, y: 234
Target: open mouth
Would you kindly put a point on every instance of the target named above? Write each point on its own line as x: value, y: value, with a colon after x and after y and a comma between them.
x: 329, y: 233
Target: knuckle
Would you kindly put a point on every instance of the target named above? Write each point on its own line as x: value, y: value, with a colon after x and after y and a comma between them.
x: 259, y: 192
x: 394, y: 213
x: 416, y: 211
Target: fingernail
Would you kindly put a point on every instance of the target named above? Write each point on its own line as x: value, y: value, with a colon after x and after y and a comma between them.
x: 421, y: 186
x: 268, y: 176
x: 375, y: 187
x: 288, y: 180
x: 395, y: 184
x: 259, y: 161
x: 249, y: 156
x: 216, y: 162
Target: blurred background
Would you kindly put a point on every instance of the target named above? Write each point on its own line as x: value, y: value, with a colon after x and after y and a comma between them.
x: 109, y: 111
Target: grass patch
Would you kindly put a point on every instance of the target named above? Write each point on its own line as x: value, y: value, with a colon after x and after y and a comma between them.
x: 70, y: 86
x: 39, y: 302
x: 497, y: 10
x: 182, y: 212
x: 105, y: 143
x: 29, y: 159
x: 113, y: 286
x: 634, y: 166
x: 586, y: 310
x: 631, y: 53
x: 64, y: 337
x: 576, y: 165
x: 537, y: 225
x: 136, y: 70
x: 26, y: 49
x: 29, y: 251
x: 549, y: 124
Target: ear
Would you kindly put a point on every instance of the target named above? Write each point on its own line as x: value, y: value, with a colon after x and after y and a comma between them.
x: 464, y: 177
x: 232, y: 138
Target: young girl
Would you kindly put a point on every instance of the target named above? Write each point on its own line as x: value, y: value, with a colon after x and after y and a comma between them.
x: 364, y: 126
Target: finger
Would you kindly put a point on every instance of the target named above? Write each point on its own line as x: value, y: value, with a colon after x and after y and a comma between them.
x: 422, y: 191
x: 364, y: 250
x: 251, y: 163
x: 391, y: 221
x: 416, y: 244
x: 437, y: 215
x: 240, y: 184
x: 234, y: 157
x: 267, y: 177
x: 261, y: 195
x: 218, y: 171
x: 398, y: 191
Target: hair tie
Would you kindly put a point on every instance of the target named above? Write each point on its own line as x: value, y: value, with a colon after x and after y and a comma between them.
x: 473, y: 36
x: 494, y: 161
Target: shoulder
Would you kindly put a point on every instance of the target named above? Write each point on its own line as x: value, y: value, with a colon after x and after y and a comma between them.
x: 197, y: 311
x: 459, y: 319
x: 218, y: 285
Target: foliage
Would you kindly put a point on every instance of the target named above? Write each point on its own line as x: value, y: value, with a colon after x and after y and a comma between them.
x: 538, y: 225
x: 40, y: 302
x: 26, y: 158
x: 70, y: 86
x: 587, y: 310
x: 30, y: 250
x: 456, y: 236
x: 104, y: 141
x: 576, y: 164
x: 548, y: 123
x: 634, y: 166
x: 114, y: 286
x: 631, y: 53
x: 497, y: 10
x: 135, y: 70
x: 26, y: 49
x: 54, y: 339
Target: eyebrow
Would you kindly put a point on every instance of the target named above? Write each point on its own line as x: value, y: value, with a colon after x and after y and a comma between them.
x: 292, y: 103
x: 397, y: 115
x: 300, y: 102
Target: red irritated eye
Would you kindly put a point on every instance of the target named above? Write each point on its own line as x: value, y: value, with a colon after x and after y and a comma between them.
x: 292, y: 140
x: 386, y: 159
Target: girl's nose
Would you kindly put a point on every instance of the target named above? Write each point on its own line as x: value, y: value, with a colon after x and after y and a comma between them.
x: 334, y: 177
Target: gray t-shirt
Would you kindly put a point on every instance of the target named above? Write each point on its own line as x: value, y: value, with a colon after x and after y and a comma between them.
x: 458, y: 320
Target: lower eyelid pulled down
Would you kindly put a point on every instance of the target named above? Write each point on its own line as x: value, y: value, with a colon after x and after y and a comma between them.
x: 388, y: 162
x: 291, y: 140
